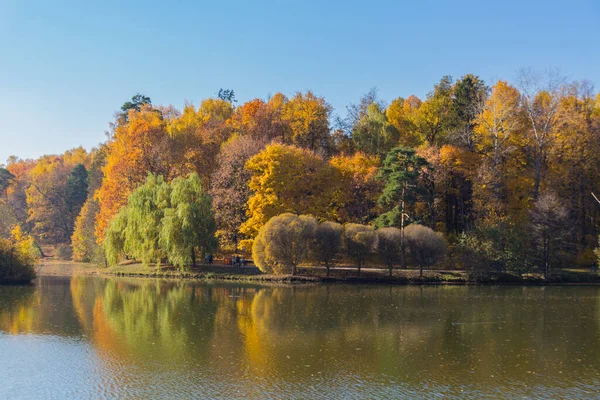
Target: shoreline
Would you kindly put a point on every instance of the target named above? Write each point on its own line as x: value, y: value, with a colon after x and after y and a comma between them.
x: 369, y: 276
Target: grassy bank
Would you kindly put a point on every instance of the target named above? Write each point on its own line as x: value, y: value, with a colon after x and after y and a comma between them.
x: 349, y: 275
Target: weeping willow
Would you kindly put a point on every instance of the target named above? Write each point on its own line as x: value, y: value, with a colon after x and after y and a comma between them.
x: 163, y: 221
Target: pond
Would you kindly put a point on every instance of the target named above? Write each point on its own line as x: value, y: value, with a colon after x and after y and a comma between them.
x: 91, y: 337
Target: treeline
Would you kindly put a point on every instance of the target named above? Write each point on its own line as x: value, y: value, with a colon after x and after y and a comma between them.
x: 504, y: 172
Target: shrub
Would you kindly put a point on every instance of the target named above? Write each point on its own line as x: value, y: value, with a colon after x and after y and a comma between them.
x: 389, y: 246
x: 488, y: 253
x: 360, y: 241
x: 16, y: 266
x: 426, y: 247
x: 283, y: 243
x: 478, y: 256
x: 327, y: 242
x: 64, y: 252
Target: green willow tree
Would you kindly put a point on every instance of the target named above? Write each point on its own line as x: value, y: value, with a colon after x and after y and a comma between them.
x: 188, y: 225
x: 163, y: 221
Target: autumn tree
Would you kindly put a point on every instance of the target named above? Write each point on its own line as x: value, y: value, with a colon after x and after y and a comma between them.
x: 541, y: 96
x: 573, y: 165
x: 283, y: 243
x: 435, y: 116
x: 389, y: 246
x: 549, y: 227
x: 57, y: 190
x: 288, y: 179
x: 262, y: 120
x: 308, y: 118
x: 139, y: 147
x: 198, y: 136
x: 454, y: 172
x: 360, y: 240
x: 401, y: 113
x: 373, y: 133
x: 229, y: 187
x: 496, y: 130
x: 327, y: 243
x: 16, y: 265
x: 359, y: 188
x: 14, y: 210
x: 83, y: 240
x: 425, y: 246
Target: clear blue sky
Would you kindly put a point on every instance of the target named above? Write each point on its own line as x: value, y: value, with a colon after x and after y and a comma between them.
x: 66, y: 66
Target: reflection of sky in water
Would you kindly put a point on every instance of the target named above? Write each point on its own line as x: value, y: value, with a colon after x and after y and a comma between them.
x: 93, y: 338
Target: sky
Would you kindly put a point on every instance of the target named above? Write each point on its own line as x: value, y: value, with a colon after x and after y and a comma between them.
x: 67, y: 66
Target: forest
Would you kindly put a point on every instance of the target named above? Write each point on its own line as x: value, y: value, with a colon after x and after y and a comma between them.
x: 479, y: 176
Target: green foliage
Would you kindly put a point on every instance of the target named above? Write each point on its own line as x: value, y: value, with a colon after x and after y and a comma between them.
x: 401, y: 173
x: 136, y: 103
x: 227, y: 95
x: 145, y: 211
x: 188, y: 224
x: 486, y: 254
x: 77, y: 188
x: 16, y: 266
x: 163, y: 221
x: 373, y: 134
x: 6, y: 180
x: 283, y: 243
x: 114, y: 240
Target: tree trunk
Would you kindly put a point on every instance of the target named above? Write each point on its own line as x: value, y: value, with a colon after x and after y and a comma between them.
x: 538, y: 174
x: 421, y: 271
x: 402, y: 254
x: 193, y: 258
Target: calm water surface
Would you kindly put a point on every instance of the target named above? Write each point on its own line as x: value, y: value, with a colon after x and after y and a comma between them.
x: 89, y: 337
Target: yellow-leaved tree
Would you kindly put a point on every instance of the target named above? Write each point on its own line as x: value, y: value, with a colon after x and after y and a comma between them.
x: 288, y: 179
x: 139, y: 147
x: 498, y: 137
x: 359, y: 188
x: 308, y: 118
